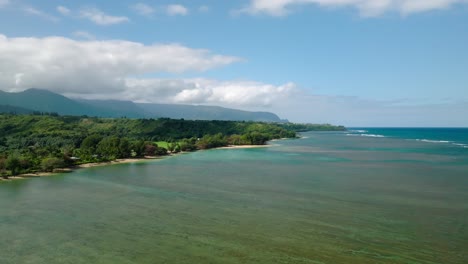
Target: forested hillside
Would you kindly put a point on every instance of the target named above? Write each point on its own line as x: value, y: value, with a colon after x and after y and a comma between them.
x: 31, y: 143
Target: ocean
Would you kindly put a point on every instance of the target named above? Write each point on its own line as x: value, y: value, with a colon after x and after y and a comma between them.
x: 448, y: 136
x: 367, y: 195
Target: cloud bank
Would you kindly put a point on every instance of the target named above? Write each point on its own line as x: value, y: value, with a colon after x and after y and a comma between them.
x: 108, y: 69
x: 244, y: 94
x: 62, y: 64
x: 116, y: 69
x: 365, y: 7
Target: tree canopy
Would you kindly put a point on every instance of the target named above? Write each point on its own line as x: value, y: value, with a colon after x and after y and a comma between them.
x: 30, y: 143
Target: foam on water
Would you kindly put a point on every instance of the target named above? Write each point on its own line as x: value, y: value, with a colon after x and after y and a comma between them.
x: 444, y: 142
x: 433, y: 141
x: 454, y: 136
x: 372, y: 135
x: 366, y: 135
x: 359, y: 131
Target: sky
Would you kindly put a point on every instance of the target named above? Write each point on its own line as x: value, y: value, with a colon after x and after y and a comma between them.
x: 348, y: 62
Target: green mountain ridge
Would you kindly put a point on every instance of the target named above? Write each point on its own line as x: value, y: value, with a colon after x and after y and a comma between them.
x: 120, y: 108
x: 46, y: 101
x: 14, y: 110
x: 202, y: 112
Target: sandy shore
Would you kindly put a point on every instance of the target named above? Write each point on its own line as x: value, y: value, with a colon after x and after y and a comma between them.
x: 243, y: 146
x: 30, y: 175
x: 80, y: 166
x: 118, y: 161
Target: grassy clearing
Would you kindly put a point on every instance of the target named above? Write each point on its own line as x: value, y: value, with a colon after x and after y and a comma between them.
x: 162, y: 144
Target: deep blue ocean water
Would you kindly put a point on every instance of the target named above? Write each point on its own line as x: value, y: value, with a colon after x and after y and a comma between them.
x: 456, y: 137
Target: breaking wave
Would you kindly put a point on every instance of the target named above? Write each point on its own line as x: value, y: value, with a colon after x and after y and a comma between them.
x: 359, y: 131
x: 444, y: 137
x: 434, y: 141
x: 367, y: 135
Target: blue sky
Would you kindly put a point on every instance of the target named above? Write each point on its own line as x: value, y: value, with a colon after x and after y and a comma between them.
x: 352, y: 62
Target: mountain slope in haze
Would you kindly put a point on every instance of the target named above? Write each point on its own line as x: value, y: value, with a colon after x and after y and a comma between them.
x: 201, y: 112
x: 121, y: 108
x: 46, y: 101
x: 14, y: 110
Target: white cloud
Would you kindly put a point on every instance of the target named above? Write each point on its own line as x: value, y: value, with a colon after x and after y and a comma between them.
x: 100, y: 18
x: 83, y: 35
x: 365, y: 7
x: 36, y: 12
x: 243, y: 94
x: 288, y: 101
x: 174, y: 10
x: 414, y: 6
x: 4, y: 3
x: 112, y: 69
x: 143, y: 9
x: 70, y: 66
x: 18, y: 77
x: 63, y: 10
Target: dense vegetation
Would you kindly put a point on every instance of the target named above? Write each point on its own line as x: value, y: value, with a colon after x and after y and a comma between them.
x: 32, y: 143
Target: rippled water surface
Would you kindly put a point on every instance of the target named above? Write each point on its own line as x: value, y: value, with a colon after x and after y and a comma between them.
x: 326, y: 198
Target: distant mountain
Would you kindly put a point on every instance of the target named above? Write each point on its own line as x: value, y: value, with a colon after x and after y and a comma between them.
x: 45, y: 101
x: 14, y: 110
x: 200, y: 112
x: 118, y: 108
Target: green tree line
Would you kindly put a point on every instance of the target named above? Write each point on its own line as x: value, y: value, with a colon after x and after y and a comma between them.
x: 38, y: 142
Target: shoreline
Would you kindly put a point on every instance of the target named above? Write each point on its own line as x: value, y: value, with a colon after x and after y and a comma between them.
x: 243, y: 146
x: 79, y: 166
x: 117, y: 161
x: 113, y: 162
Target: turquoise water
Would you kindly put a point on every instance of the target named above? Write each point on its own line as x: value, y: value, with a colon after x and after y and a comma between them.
x: 457, y: 137
x: 325, y: 198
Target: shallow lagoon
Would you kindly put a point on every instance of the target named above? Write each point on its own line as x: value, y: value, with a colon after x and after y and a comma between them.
x: 327, y: 198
